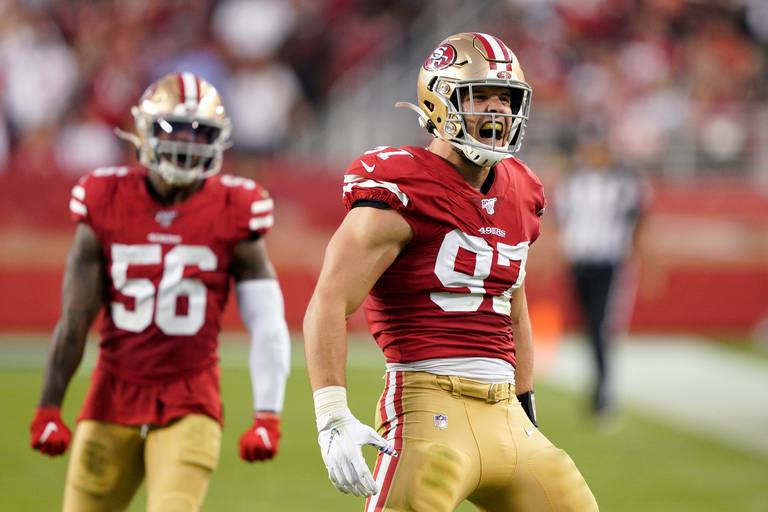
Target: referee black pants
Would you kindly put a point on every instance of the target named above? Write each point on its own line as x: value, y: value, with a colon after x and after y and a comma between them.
x: 593, y: 283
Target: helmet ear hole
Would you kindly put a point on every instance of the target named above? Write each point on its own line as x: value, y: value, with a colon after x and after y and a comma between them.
x: 430, y: 106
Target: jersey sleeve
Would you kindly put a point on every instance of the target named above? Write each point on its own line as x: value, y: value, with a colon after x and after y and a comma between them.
x: 78, y: 210
x: 537, y: 198
x: 374, y: 181
x: 92, y: 192
x: 254, y: 215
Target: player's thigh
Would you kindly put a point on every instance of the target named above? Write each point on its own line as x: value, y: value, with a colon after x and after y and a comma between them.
x: 179, y: 461
x: 435, y: 468
x: 105, y: 467
x: 545, y: 480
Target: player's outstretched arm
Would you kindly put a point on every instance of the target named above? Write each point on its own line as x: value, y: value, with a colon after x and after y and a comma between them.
x: 521, y: 327
x: 260, y: 302
x: 364, y: 246
x: 82, y: 293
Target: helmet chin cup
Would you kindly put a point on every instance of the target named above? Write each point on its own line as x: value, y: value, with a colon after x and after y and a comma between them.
x: 177, y: 177
x: 481, y: 156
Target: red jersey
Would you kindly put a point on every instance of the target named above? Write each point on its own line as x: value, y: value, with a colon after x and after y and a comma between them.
x: 168, y: 269
x: 448, y: 292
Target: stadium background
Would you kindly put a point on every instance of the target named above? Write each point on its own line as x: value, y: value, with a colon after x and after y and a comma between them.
x: 680, y: 86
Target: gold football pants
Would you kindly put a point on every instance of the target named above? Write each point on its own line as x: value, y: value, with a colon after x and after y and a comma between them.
x: 459, y: 440
x: 109, y: 461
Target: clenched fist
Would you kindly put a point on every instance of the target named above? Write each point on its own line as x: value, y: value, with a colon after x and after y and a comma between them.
x: 262, y: 440
x: 48, y: 433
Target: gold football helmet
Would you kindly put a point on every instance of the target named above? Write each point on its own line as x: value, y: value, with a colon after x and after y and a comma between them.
x: 446, y: 80
x: 182, y: 128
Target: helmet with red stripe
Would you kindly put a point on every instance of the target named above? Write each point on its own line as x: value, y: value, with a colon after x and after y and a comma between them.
x: 182, y: 128
x: 447, y: 85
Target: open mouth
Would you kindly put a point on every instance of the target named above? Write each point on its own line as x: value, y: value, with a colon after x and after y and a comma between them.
x: 487, y: 130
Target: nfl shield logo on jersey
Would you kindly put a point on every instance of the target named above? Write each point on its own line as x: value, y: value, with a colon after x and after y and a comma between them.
x: 441, y: 421
x: 165, y: 217
x: 489, y: 205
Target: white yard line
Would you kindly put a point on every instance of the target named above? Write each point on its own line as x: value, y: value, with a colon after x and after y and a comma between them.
x: 686, y: 381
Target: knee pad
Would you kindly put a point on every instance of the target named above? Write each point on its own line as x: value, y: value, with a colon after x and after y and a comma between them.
x: 100, y: 454
x: 92, y: 468
x: 438, y: 479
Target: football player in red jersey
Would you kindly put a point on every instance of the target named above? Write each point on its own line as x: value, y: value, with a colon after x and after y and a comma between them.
x: 156, y: 246
x: 434, y: 245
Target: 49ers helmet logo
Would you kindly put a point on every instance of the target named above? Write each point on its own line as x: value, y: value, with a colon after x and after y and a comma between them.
x: 440, y: 58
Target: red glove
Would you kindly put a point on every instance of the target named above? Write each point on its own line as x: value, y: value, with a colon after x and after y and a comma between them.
x: 48, y: 433
x: 261, y: 441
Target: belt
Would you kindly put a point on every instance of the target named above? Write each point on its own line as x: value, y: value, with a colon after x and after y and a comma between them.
x: 460, y: 386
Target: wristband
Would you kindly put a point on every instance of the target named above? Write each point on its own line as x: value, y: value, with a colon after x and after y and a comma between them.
x: 330, y: 401
x: 529, y: 406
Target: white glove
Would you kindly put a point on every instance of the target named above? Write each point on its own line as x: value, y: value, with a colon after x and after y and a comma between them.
x: 341, y: 436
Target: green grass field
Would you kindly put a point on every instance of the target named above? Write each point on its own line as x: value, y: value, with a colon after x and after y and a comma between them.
x: 644, y: 466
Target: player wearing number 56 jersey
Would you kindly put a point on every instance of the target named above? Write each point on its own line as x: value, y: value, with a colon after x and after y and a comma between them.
x: 156, y: 248
x: 434, y: 246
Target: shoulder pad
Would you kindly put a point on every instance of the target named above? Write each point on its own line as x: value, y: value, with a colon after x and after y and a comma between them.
x: 516, y: 162
x: 380, y: 174
x: 93, y: 190
x: 253, y: 206
x: 532, y: 182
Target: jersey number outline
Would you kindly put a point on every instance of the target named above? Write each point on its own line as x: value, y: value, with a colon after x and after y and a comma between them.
x: 160, y: 302
x: 484, y: 253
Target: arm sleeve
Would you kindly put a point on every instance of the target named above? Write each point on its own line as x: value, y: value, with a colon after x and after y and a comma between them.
x: 260, y: 302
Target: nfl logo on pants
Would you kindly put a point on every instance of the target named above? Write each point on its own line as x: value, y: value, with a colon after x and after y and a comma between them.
x: 441, y: 421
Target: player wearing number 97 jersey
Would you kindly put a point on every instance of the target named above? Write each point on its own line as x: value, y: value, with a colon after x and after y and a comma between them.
x: 434, y: 246
x: 156, y: 248
x: 466, y: 256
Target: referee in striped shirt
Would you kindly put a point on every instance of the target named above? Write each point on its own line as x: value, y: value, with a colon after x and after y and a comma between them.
x: 599, y: 207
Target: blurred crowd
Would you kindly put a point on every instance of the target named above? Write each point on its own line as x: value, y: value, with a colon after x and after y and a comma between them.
x: 671, y: 80
x: 662, y: 74
x: 70, y: 71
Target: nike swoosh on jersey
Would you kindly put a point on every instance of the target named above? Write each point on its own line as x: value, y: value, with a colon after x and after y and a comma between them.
x: 49, y: 429
x: 367, y: 167
x: 262, y: 433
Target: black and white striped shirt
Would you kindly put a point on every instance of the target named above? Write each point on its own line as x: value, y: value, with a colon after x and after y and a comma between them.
x: 597, y: 211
